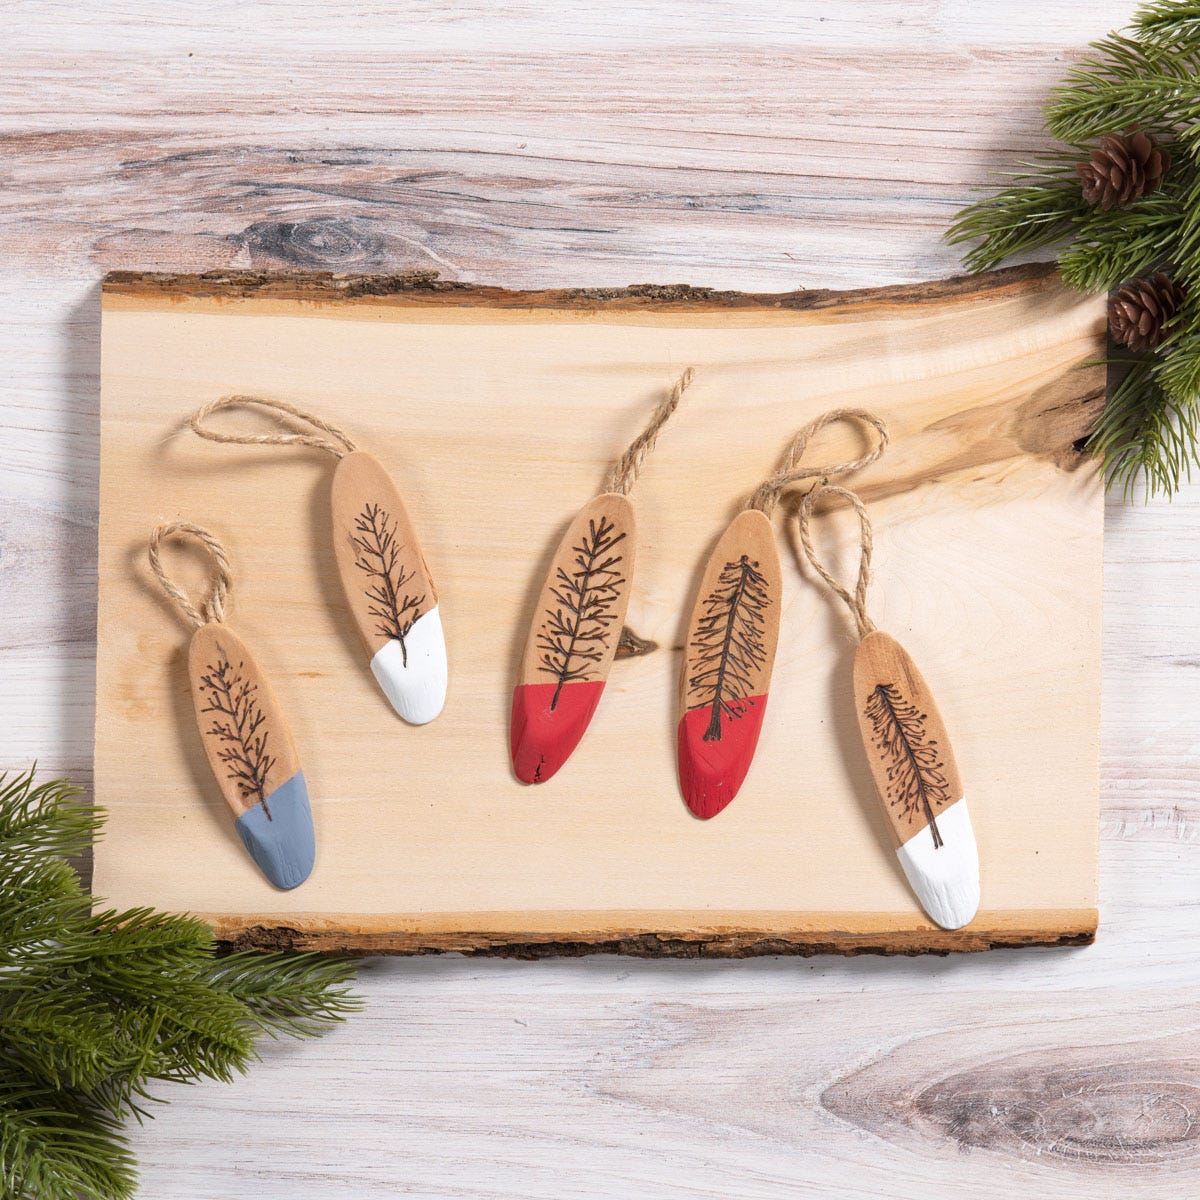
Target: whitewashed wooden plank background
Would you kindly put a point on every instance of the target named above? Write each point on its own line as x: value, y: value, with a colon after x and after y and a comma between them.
x: 760, y: 145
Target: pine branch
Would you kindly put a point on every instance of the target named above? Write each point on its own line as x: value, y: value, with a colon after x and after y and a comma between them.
x: 1145, y: 433
x: 1111, y: 246
x: 1170, y: 21
x: 96, y: 1010
x: 1036, y: 211
x: 1123, y: 83
x: 42, y: 819
x: 56, y: 1146
x: 1148, y: 79
x: 294, y: 995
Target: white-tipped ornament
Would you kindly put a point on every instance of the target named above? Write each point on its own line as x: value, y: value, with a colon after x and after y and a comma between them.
x: 908, y: 750
x: 917, y: 779
x: 388, y: 587
x: 385, y: 578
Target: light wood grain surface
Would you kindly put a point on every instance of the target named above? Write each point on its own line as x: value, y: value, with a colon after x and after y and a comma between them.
x: 989, y: 527
x: 750, y: 146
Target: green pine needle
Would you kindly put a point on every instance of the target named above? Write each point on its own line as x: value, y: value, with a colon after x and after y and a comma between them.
x: 1111, y: 246
x: 1144, y: 434
x: 1171, y: 21
x: 1146, y: 78
x: 42, y: 819
x: 97, y: 1009
x: 54, y: 1145
x: 1029, y: 215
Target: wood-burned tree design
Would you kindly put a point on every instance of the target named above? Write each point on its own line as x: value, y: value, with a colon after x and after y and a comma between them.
x: 915, y: 772
x: 728, y: 644
x: 378, y: 557
x: 576, y: 632
x: 238, y: 726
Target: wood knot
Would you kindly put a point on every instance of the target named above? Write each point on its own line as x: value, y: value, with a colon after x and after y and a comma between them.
x: 329, y: 243
x: 1134, y: 1113
x: 629, y: 645
x: 1125, y: 1113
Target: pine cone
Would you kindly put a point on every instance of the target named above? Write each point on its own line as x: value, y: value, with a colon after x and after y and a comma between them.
x: 1123, y: 168
x: 1140, y: 312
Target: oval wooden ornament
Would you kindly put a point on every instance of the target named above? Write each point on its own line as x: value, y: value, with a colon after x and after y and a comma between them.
x: 728, y: 655
x: 252, y: 755
x: 917, y: 779
x: 388, y: 587
x: 573, y: 639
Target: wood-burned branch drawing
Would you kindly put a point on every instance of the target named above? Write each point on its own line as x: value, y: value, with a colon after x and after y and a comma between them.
x: 576, y: 632
x: 378, y: 557
x: 238, y: 725
x: 916, y: 779
x: 728, y: 644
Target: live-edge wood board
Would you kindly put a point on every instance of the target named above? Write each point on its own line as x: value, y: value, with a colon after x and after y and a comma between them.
x: 497, y: 413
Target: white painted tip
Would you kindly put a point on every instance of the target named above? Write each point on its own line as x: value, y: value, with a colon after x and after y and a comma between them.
x: 416, y: 688
x: 946, y: 877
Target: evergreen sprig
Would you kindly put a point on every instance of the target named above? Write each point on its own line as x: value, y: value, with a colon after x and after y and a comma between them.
x: 1147, y: 78
x: 98, y: 1008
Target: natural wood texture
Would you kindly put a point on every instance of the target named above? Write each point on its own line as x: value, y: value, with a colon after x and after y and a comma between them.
x: 573, y: 637
x: 245, y: 736
x: 728, y: 654
x: 756, y: 146
x: 427, y: 288
x: 387, y: 584
x: 514, y: 403
x: 894, y: 705
x: 718, y: 935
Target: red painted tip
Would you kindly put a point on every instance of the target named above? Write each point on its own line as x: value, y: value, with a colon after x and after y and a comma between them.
x: 541, y: 739
x: 711, y: 772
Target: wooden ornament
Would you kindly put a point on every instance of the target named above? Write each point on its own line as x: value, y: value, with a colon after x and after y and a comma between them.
x: 574, y: 636
x: 579, y: 616
x: 733, y: 632
x: 727, y: 659
x: 384, y: 575
x: 915, y: 774
x: 245, y: 736
x: 908, y: 750
x: 388, y: 587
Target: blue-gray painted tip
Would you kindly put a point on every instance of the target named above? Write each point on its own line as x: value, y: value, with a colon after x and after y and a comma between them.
x: 283, y: 844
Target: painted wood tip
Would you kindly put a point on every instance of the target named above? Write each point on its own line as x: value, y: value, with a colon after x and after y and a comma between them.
x: 943, y: 868
x: 413, y: 673
x: 714, y: 753
x: 548, y: 721
x: 278, y: 833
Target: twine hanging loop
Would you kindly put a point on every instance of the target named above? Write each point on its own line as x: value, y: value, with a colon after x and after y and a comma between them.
x: 625, y: 470
x: 212, y: 608
x: 337, y: 443
x: 770, y: 490
x: 856, y: 602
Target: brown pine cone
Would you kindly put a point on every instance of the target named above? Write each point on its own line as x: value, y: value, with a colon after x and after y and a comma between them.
x: 1123, y: 168
x: 1140, y: 312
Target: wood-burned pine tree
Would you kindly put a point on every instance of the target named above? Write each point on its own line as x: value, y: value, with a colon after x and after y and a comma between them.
x: 728, y: 644
x: 238, y: 726
x: 577, y: 630
x: 916, y: 781
x: 378, y: 556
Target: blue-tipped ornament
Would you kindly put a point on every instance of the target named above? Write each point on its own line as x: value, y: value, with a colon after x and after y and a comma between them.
x: 243, y: 731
